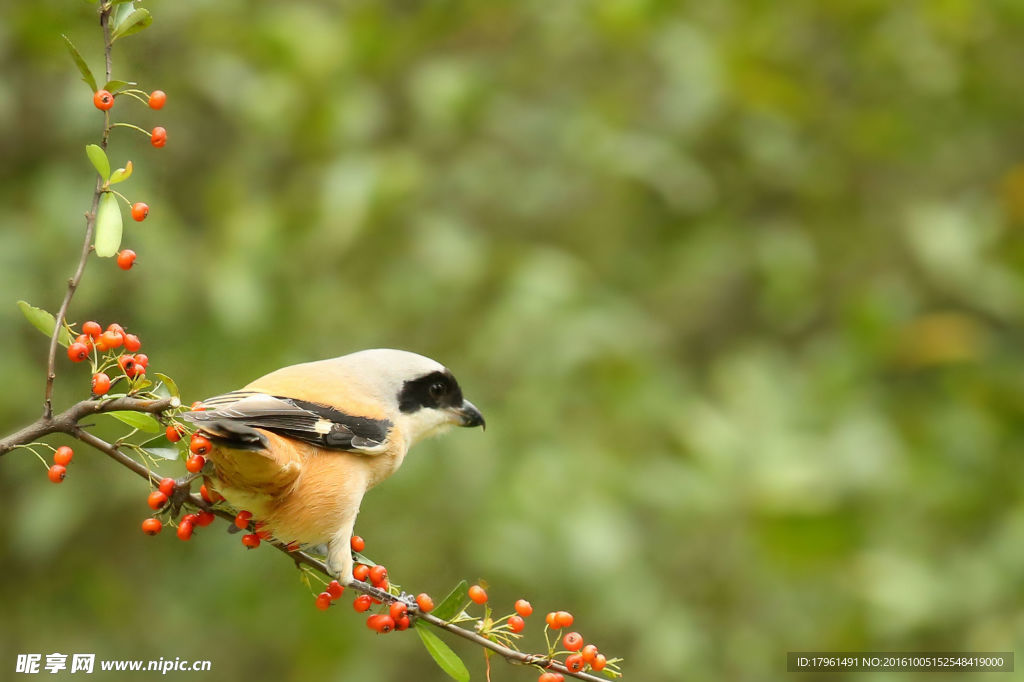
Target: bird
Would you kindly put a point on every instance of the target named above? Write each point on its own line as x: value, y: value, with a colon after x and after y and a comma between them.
x: 300, y: 447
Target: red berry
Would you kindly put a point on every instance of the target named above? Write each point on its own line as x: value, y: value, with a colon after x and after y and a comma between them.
x: 523, y: 608
x: 78, y: 352
x: 91, y: 328
x: 516, y: 623
x: 563, y: 619
x: 199, y: 445
x: 140, y: 211
x: 551, y: 677
x: 378, y: 574
x: 550, y: 619
x: 158, y: 138
x: 598, y: 663
x: 242, y: 519
x: 127, y: 364
x: 63, y: 455
x: 140, y: 358
x: 100, y: 383
x: 361, y: 572
x: 424, y: 601
x: 102, y: 100
x: 574, y: 663
x: 152, y: 526
x: 126, y: 259
x: 195, y: 463
x: 380, y: 622
x: 172, y: 433
x: 477, y: 594
x: 205, y: 518
x: 402, y: 623
x: 84, y: 339
x: 323, y: 600
x: 335, y: 589
x: 362, y: 603
x: 588, y: 653
x: 132, y: 343
x: 167, y: 486
x: 109, y: 340
x: 156, y: 499
x: 358, y: 544
x: 157, y: 99
x: 211, y: 496
x: 116, y: 328
x: 251, y: 540
x: 572, y: 641
x: 57, y: 473
x: 185, y: 529
x: 192, y: 518
x: 397, y: 610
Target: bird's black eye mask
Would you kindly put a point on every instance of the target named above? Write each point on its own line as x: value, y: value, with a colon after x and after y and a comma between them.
x: 437, y: 390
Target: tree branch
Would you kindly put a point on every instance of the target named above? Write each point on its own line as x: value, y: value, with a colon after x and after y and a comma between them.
x: 90, y: 227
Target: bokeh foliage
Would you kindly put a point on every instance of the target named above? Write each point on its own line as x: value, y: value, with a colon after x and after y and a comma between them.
x: 738, y: 286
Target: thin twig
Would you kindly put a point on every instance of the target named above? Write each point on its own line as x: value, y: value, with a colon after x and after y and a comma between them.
x: 90, y: 227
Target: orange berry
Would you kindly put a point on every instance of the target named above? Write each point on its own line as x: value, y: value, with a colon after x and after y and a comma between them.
x: 93, y: 329
x: 588, y: 653
x: 572, y: 641
x: 551, y: 620
x: 172, y: 433
x: 63, y: 455
x: 152, y: 526
x: 358, y: 544
x: 380, y: 622
x: 205, y: 518
x: 251, y: 540
x: 574, y: 663
x: 424, y: 601
x: 100, y: 383
x: 362, y: 603
x: 551, y: 677
x: 523, y: 608
x: 397, y: 610
x: 516, y: 623
x: 167, y: 486
x: 57, y: 473
x: 323, y: 600
x: 109, y: 340
x: 563, y: 619
x: 199, y: 445
x: 84, y: 339
x: 141, y: 358
x: 242, y: 519
x: 599, y: 662
x: 126, y: 259
x: 195, y: 463
x: 78, y: 352
x: 156, y: 499
x: 478, y: 594
x: 210, y: 496
x: 361, y: 572
x: 403, y: 623
x: 335, y: 589
x: 185, y: 529
x: 378, y: 574
x: 132, y: 343
x: 140, y: 211
x: 102, y: 100
x: 157, y: 99
x: 158, y: 138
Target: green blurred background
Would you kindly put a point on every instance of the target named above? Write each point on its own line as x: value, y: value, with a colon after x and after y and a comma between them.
x: 739, y: 287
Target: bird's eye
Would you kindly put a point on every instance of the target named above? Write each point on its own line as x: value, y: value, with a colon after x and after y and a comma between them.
x: 437, y: 390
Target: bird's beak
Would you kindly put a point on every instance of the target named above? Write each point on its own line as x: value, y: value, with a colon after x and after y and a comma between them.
x: 469, y: 416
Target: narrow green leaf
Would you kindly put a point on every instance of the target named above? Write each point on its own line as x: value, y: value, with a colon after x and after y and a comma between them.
x: 169, y: 383
x: 108, y: 226
x: 44, y: 322
x: 442, y: 653
x: 121, y: 174
x: 133, y: 23
x: 121, y: 10
x: 83, y: 68
x: 115, y: 85
x: 137, y: 420
x: 99, y: 160
x: 454, y: 603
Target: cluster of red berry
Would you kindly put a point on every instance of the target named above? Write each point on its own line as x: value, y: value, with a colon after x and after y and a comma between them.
x: 104, y: 101
x: 61, y: 459
x: 158, y: 500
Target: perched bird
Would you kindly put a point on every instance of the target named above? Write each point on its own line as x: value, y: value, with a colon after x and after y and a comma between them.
x: 300, y: 447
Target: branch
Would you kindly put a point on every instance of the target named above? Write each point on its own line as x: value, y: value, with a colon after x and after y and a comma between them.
x: 90, y: 227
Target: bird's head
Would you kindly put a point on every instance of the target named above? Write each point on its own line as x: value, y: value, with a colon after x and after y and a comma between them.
x: 422, y: 395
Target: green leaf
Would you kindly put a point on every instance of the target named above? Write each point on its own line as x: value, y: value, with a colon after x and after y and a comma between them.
x: 133, y: 23
x: 44, y: 322
x: 163, y: 453
x: 169, y: 383
x: 116, y: 85
x: 83, y: 68
x: 442, y: 653
x: 138, y: 420
x: 108, y: 226
x: 121, y: 174
x: 121, y: 10
x: 454, y: 604
x: 99, y: 160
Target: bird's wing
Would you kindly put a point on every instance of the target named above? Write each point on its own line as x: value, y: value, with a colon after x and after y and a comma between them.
x: 320, y: 425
